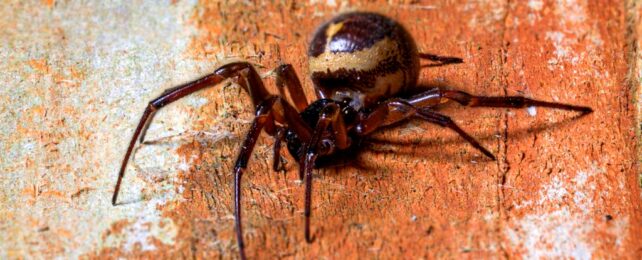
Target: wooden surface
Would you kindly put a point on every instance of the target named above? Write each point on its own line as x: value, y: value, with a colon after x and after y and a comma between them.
x: 76, y: 78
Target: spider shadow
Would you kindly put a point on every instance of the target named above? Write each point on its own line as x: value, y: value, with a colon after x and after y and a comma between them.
x: 426, y: 149
x: 406, y: 146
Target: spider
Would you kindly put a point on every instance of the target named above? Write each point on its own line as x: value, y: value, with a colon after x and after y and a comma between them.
x: 361, y: 64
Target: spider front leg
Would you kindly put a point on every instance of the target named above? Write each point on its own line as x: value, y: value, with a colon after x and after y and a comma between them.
x: 258, y: 93
x: 286, y: 79
x: 267, y: 114
x: 263, y: 118
x: 270, y: 109
x: 167, y: 97
x: 248, y: 78
x: 330, y: 116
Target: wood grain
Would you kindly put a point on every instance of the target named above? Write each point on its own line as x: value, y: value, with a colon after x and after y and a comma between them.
x: 427, y: 193
x: 562, y: 186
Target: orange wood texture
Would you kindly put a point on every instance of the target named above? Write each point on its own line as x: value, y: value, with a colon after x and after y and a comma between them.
x: 562, y: 187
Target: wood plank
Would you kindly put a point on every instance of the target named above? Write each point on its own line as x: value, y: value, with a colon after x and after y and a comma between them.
x: 561, y: 187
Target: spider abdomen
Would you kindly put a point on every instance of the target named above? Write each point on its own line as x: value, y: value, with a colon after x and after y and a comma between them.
x: 364, y: 57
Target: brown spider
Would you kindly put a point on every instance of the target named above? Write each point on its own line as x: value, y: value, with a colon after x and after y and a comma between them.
x: 361, y: 63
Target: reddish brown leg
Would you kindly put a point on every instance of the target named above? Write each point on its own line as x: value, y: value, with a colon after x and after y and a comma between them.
x: 330, y: 116
x: 445, y: 121
x: 286, y: 77
x: 510, y: 101
x: 270, y: 109
x: 262, y: 119
x: 386, y: 113
x: 251, y: 83
x: 331, y: 113
x: 167, y: 97
x: 176, y: 93
x: 307, y: 166
x: 396, y: 110
x: 306, y: 169
x: 266, y: 113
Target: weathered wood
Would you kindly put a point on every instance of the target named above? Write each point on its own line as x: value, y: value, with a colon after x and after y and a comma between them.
x: 562, y: 186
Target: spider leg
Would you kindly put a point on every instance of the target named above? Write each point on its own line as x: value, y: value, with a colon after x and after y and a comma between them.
x: 266, y: 116
x: 330, y: 116
x: 445, y: 121
x: 396, y: 110
x: 263, y: 118
x: 307, y: 166
x: 269, y: 110
x: 248, y: 78
x: 509, y: 101
x: 167, y: 97
x: 389, y: 112
x: 332, y: 113
x: 306, y: 169
x: 286, y: 77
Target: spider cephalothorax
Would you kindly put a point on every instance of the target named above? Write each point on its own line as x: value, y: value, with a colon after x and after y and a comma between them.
x: 360, y: 63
